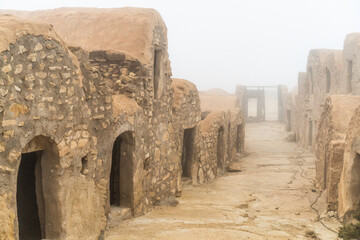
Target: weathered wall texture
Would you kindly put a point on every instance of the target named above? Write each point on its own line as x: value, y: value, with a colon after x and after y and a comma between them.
x: 93, y: 114
x: 329, y: 144
x: 81, y: 109
x: 351, y: 65
x: 322, y: 78
x: 220, y: 135
x: 291, y: 114
x: 349, y: 186
x: 43, y: 107
x: 186, y: 116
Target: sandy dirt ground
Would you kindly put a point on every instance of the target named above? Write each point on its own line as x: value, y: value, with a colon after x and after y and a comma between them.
x: 270, y: 198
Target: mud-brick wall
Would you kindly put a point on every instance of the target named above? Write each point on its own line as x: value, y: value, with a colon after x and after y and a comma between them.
x: 42, y: 107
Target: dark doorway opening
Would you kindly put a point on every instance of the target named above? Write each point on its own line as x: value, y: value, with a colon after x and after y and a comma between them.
x: 310, y: 133
x: 349, y: 76
x: 288, y: 120
x: 328, y: 80
x: 311, y: 81
x: 239, y: 130
x: 28, y: 195
x: 229, y: 142
x: 187, y: 151
x: 220, y: 150
x: 121, y: 183
x: 157, y: 72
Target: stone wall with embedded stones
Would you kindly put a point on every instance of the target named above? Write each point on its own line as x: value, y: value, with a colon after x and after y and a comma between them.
x: 186, y: 116
x: 218, y: 112
x: 72, y: 105
x: 43, y: 107
x: 235, y: 136
x: 210, y: 162
x: 216, y: 145
x: 124, y: 86
x: 73, y: 108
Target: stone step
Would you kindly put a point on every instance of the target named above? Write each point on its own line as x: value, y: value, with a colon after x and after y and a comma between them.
x: 117, y: 215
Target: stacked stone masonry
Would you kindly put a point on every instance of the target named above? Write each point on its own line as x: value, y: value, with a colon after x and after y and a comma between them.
x: 101, y: 130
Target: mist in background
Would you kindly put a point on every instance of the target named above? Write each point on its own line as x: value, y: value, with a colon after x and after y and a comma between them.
x: 218, y: 44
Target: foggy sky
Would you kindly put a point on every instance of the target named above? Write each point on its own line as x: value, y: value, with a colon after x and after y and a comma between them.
x: 218, y: 44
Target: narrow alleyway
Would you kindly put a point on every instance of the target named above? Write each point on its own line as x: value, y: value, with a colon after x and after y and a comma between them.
x: 270, y: 198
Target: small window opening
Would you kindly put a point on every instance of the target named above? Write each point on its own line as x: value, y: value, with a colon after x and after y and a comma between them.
x: 157, y: 73
x: 288, y: 120
x: 187, y: 151
x: 349, y: 75
x: 84, y: 166
x: 310, y: 132
x: 311, y: 80
x: 220, y: 150
x: 328, y: 80
x: 229, y: 142
x: 239, y: 130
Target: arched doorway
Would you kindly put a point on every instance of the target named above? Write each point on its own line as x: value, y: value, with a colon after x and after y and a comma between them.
x: 220, y: 150
x: 310, y: 134
x: 121, y: 176
x: 328, y: 80
x: 187, y: 152
x: 239, y: 130
x: 37, y: 200
x: 229, y: 143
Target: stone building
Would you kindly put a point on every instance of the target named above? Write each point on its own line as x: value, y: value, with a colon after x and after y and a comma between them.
x: 90, y: 133
x: 266, y: 106
x: 325, y: 124
x: 324, y: 68
x: 349, y: 186
x: 85, y: 112
x: 221, y: 135
x: 187, y: 115
x: 329, y: 144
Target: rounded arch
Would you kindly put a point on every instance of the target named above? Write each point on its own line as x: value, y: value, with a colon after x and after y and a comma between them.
x: 229, y: 142
x: 311, y: 80
x: 328, y: 80
x: 220, y: 150
x: 121, y: 185
x: 37, y: 190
